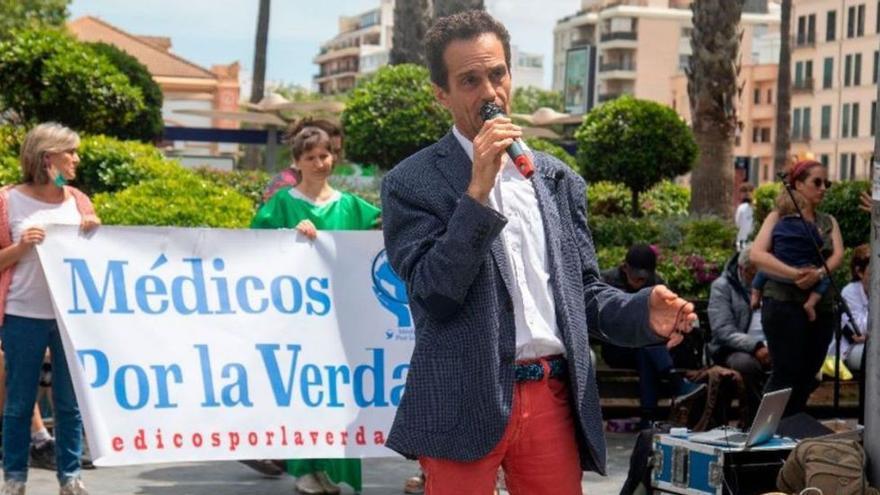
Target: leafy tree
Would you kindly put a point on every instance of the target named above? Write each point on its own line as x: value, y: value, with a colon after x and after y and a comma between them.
x: 551, y: 148
x: 411, y: 21
x: 530, y: 98
x: 443, y: 8
x: 48, y: 75
x: 147, y: 125
x: 391, y: 115
x: 636, y: 142
x: 28, y: 14
x: 713, y: 91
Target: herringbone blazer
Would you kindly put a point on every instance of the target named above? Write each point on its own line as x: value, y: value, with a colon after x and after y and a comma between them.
x: 447, y: 248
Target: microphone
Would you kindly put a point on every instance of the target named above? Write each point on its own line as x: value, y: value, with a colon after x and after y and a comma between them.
x: 520, y: 159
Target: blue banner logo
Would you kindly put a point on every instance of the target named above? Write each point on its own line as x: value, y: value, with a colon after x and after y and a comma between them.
x: 390, y: 290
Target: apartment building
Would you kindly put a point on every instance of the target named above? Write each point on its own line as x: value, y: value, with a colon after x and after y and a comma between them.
x: 527, y: 69
x: 635, y: 47
x: 834, y: 83
x: 362, y: 45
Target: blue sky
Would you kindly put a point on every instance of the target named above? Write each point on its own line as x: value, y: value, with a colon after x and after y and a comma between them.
x: 214, y: 32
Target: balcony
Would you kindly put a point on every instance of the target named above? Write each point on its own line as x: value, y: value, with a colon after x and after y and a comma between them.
x: 617, y: 70
x: 804, y: 40
x: 802, y: 136
x: 803, y: 85
x: 328, y: 74
x: 619, y: 36
x: 603, y: 97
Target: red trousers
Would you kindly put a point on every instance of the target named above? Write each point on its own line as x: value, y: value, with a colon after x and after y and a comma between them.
x: 538, y: 451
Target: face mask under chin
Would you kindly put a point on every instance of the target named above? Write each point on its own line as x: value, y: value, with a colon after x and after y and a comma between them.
x: 59, y: 180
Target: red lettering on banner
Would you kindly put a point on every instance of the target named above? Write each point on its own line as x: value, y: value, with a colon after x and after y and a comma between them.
x: 314, y: 435
x: 178, y: 440
x: 253, y: 439
x: 117, y: 444
x: 344, y: 435
x: 233, y: 441
x: 379, y: 438
x: 215, y: 439
x: 159, y: 444
x: 283, y: 436
x: 140, y: 440
x: 329, y: 438
x: 298, y: 439
x: 269, y: 435
x: 197, y: 439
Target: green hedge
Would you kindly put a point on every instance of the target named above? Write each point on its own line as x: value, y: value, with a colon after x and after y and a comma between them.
x: 613, y: 198
x: 108, y: 164
x: 183, y: 200
x: 248, y: 183
x: 688, y: 272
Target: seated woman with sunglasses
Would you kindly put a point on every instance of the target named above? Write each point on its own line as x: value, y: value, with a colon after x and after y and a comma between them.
x: 796, y: 343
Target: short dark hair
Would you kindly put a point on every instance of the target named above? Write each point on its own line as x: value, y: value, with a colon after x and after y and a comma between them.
x: 307, y: 139
x: 325, y: 125
x: 466, y: 25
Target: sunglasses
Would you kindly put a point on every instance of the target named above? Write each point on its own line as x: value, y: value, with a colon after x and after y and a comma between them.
x: 818, y: 182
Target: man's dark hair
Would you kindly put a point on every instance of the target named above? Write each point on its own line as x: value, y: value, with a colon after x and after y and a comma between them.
x: 466, y: 25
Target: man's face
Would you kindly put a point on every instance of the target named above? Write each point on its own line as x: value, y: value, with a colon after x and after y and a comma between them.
x: 635, y: 283
x: 477, y: 73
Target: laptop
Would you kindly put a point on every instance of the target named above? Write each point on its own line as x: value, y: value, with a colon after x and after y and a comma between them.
x: 763, y: 427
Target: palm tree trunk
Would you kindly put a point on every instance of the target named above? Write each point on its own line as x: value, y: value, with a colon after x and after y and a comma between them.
x: 258, y: 86
x: 252, y: 158
x: 783, y: 92
x: 411, y: 20
x: 713, y: 89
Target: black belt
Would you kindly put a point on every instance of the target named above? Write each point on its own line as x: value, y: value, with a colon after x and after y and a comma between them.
x: 533, y: 371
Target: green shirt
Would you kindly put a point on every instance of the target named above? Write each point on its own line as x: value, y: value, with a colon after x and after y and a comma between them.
x: 285, y: 210
x: 288, y: 207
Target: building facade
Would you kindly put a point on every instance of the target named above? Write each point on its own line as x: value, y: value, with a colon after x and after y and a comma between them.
x: 637, y: 46
x: 362, y: 45
x: 834, y: 83
x: 527, y: 69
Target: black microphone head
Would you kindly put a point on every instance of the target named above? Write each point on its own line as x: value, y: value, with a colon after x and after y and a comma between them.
x: 490, y: 110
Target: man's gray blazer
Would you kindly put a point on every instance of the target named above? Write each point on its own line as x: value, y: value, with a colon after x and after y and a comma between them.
x: 446, y: 247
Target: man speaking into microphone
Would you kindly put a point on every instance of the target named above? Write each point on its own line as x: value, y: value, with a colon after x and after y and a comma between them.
x: 504, y: 287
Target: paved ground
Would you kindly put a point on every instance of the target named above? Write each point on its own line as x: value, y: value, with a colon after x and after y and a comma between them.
x: 381, y: 477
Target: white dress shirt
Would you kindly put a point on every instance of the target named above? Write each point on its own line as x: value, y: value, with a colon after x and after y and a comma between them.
x: 534, y: 309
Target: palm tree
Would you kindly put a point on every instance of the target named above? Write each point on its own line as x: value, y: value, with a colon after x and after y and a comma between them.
x: 443, y: 8
x: 251, y: 158
x: 783, y: 92
x: 259, y: 78
x: 713, y: 90
x: 411, y: 20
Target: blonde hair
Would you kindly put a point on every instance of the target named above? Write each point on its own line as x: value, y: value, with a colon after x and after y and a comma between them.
x: 49, y: 137
x: 785, y: 206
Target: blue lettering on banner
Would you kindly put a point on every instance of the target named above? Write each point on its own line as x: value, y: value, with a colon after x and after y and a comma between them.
x: 135, y: 386
x: 119, y: 289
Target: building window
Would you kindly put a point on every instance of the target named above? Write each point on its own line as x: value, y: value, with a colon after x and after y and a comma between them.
x: 756, y: 135
x: 847, y: 71
x: 857, y: 70
x: 828, y: 73
x: 769, y: 96
x: 825, y: 129
x: 757, y: 98
x: 798, y: 74
x: 796, y: 124
x: 844, y: 121
x: 860, y: 30
x: 873, y: 118
x: 847, y: 166
x: 765, y: 134
x: 854, y: 125
x: 807, y: 123
x: 851, y: 22
x: 831, y: 25
x: 876, y: 66
x: 823, y: 159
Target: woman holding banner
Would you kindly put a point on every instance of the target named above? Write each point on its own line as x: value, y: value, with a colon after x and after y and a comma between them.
x: 27, y: 319
x: 310, y: 206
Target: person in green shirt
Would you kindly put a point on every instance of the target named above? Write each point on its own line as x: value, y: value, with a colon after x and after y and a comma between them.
x: 310, y: 206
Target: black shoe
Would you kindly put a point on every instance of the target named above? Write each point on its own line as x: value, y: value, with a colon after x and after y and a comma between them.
x: 264, y: 466
x: 43, y: 457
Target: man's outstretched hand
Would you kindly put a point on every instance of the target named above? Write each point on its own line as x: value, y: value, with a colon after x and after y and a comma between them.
x: 669, y: 315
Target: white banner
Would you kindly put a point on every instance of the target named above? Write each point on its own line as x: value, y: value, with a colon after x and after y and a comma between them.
x: 209, y: 344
